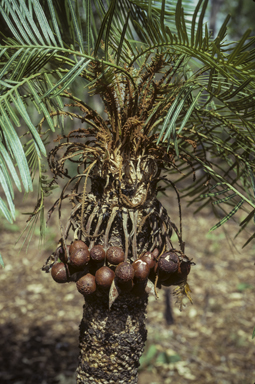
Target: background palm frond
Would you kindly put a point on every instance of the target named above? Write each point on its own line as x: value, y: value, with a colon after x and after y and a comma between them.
x: 204, y: 109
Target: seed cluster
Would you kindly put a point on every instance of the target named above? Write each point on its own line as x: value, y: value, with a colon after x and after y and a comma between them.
x: 97, y: 268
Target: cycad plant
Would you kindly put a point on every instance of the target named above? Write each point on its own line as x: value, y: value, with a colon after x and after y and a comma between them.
x: 175, y: 101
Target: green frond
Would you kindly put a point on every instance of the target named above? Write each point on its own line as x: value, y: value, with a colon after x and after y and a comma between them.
x: 76, y: 24
x: 14, y: 146
x: 67, y: 79
x: 5, y: 211
x: 28, y: 232
x: 152, y: 60
x: 7, y: 187
x: 1, y: 261
x: 54, y: 22
x: 249, y: 240
x: 10, y: 166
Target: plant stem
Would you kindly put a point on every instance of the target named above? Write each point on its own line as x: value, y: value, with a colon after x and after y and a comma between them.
x: 111, y: 341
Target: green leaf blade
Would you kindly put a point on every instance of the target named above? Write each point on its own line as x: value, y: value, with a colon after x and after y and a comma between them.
x: 228, y: 216
x: 10, y: 165
x: 76, y: 26
x: 6, y: 188
x: 5, y: 211
x: 14, y: 142
x: 22, y: 110
x: 1, y: 261
x: 41, y: 105
x: 54, y: 22
x: 67, y: 79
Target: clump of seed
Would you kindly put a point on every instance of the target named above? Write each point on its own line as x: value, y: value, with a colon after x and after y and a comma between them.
x: 60, y: 273
x: 86, y: 285
x: 149, y: 258
x: 80, y: 258
x: 124, y: 275
x: 141, y: 269
x: 97, y: 253
x: 104, y: 277
x: 168, y: 264
x: 79, y: 254
x: 179, y: 276
x: 77, y: 244
x: 115, y: 255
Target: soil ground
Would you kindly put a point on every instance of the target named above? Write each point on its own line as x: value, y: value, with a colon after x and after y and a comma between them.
x: 209, y: 341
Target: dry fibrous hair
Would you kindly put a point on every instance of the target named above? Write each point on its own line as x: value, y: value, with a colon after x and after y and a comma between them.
x: 119, y: 157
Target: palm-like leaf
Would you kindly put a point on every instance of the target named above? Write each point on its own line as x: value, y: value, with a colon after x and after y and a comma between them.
x: 205, y: 108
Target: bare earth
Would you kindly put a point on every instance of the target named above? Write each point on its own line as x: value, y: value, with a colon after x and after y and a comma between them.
x: 209, y: 342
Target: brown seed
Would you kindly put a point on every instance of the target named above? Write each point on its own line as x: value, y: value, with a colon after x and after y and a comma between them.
x: 104, y: 277
x: 185, y: 267
x: 168, y: 264
x: 179, y: 276
x: 60, y: 273
x: 115, y: 255
x: 97, y: 253
x: 124, y: 275
x: 149, y: 259
x: 86, y: 285
x: 77, y: 244
x: 80, y: 258
x: 124, y: 272
x: 142, y: 270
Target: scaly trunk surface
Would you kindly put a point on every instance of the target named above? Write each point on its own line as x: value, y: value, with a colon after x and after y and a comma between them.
x: 111, y: 341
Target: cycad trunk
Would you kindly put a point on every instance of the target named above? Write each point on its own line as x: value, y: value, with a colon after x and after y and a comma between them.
x: 111, y: 341
x: 121, y: 211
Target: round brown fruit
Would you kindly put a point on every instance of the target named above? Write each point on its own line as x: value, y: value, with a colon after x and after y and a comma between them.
x: 179, y: 276
x: 141, y: 269
x: 104, y: 277
x: 115, y: 255
x: 124, y: 272
x: 86, y: 285
x: 77, y: 244
x: 80, y: 258
x: 168, y: 264
x: 149, y: 258
x: 97, y: 253
x: 124, y: 275
x: 185, y: 267
x: 60, y: 273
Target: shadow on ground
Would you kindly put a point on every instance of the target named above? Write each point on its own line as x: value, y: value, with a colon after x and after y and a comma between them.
x: 33, y: 358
